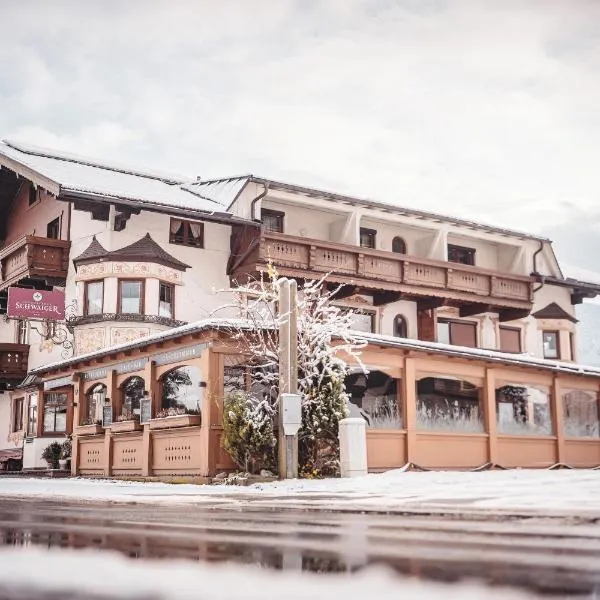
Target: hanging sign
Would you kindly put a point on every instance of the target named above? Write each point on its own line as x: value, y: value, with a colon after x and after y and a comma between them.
x: 25, y: 303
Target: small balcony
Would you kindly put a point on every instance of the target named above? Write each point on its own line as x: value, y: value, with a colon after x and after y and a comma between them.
x: 35, y: 258
x: 13, y: 362
x: 388, y: 276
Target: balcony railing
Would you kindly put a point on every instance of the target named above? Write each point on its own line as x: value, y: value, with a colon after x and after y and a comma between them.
x: 13, y: 362
x: 34, y: 258
x: 381, y: 270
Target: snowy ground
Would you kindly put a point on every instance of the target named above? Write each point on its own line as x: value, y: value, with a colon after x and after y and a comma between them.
x: 564, y: 492
x: 60, y: 573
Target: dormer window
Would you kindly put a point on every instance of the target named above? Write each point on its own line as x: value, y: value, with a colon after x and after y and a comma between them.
x: 272, y: 220
x: 461, y: 254
x: 186, y: 233
x: 131, y: 297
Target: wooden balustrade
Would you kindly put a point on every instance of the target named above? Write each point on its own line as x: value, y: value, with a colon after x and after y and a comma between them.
x: 378, y: 269
x: 34, y: 258
x: 13, y: 362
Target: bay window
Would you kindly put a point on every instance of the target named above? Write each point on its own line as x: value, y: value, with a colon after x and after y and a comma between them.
x: 131, y: 297
x: 94, y: 298
x: 166, y: 300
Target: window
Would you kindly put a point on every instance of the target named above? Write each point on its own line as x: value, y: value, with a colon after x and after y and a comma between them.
x: 400, y: 326
x: 95, y: 401
x: 181, y: 390
x: 460, y: 254
x: 22, y: 332
x: 457, y: 333
x: 367, y: 237
x: 523, y: 409
x: 132, y: 392
x: 53, y: 229
x: 131, y: 297
x: 580, y: 413
x: 166, y: 300
x: 447, y: 403
x: 33, y: 194
x: 32, y: 415
x: 186, y: 233
x: 272, y: 220
x: 572, y: 345
x: 374, y: 397
x: 510, y: 339
x: 398, y: 245
x: 551, y: 344
x: 94, y: 298
x: 55, y: 412
x: 17, y: 414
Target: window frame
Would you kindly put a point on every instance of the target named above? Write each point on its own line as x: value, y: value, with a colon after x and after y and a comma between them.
x: 188, y: 239
x: 142, y: 283
x: 86, y: 311
x: 42, y: 421
x: 470, y: 252
x: 171, y: 287
x: 17, y: 417
x: 33, y: 195
x: 556, y: 332
x: 402, y: 241
x: 450, y: 322
x: 513, y: 329
x: 371, y: 235
x: 279, y: 215
x: 32, y: 415
x: 54, y: 223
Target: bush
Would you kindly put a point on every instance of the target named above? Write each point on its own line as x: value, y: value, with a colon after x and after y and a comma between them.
x: 52, y: 453
x: 248, y: 435
x: 67, y: 448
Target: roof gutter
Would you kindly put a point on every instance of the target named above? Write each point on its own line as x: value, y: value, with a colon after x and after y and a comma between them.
x: 257, y: 199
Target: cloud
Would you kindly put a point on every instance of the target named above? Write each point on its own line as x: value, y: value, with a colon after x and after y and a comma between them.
x: 485, y: 110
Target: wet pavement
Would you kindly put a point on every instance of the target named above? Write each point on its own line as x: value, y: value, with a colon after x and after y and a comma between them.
x: 545, y: 555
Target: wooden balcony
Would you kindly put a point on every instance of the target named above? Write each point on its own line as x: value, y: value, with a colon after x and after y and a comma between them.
x: 32, y: 257
x: 388, y: 275
x: 13, y: 362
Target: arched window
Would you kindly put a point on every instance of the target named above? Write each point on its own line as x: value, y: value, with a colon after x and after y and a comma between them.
x: 400, y: 326
x: 399, y: 245
x: 132, y: 391
x: 95, y: 401
x: 181, y: 390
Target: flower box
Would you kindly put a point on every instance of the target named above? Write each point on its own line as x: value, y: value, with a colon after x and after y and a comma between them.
x: 124, y: 426
x: 93, y: 429
x: 175, y: 421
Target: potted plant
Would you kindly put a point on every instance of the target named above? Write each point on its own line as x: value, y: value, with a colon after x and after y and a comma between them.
x: 175, y: 417
x: 127, y: 421
x: 65, y: 455
x: 52, y: 454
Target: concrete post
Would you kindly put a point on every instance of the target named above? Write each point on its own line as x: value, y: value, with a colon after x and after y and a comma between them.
x: 353, y: 447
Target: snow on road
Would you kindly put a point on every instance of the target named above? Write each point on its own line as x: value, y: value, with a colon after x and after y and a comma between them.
x: 82, y: 574
x: 565, y: 491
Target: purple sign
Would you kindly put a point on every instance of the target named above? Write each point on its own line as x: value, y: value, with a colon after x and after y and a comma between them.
x: 35, y: 304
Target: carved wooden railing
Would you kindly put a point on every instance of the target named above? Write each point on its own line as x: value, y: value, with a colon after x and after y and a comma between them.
x: 34, y: 257
x: 13, y: 361
x: 301, y: 254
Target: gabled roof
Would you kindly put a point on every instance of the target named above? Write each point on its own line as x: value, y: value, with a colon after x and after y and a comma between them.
x: 67, y: 175
x: 143, y: 250
x: 226, y: 191
x: 93, y: 253
x: 554, y: 311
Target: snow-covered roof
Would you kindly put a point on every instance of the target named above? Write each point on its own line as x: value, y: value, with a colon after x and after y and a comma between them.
x: 226, y: 190
x: 223, y: 324
x: 72, y: 174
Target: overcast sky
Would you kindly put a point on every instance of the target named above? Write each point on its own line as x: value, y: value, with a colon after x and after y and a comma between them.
x: 488, y: 110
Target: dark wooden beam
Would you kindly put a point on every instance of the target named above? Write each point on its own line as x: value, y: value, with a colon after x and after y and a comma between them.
x: 385, y: 297
x: 469, y: 310
x: 429, y: 303
x: 510, y: 314
x: 343, y: 291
